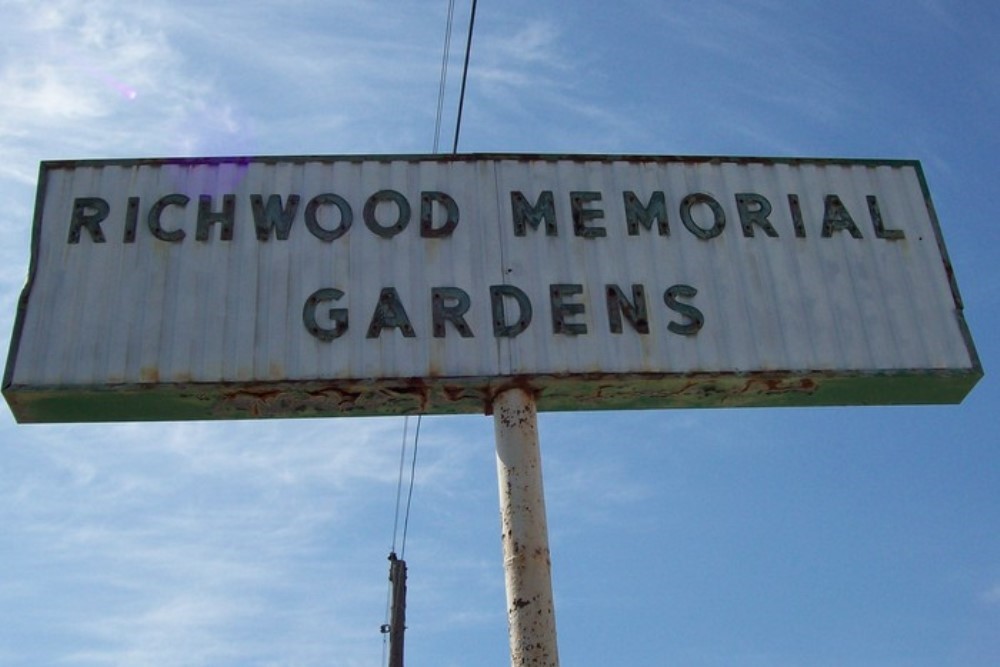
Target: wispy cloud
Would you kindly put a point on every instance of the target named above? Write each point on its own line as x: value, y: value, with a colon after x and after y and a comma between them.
x: 101, y: 79
x: 173, y: 535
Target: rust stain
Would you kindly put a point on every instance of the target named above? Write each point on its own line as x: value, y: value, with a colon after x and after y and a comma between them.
x: 334, y: 397
x: 453, y: 393
x: 777, y: 385
x: 149, y: 374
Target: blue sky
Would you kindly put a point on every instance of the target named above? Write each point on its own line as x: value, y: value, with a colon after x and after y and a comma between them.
x: 848, y: 537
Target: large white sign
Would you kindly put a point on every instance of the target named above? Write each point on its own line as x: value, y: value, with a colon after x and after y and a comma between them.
x: 306, y: 286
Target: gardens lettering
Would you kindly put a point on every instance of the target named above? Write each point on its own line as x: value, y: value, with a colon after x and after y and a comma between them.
x: 449, y: 304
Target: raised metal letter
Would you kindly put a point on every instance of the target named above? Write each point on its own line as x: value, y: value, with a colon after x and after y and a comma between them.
x: 153, y: 219
x: 636, y: 214
x: 754, y: 209
x: 402, y: 217
x: 836, y: 218
x: 796, y: 210
x: 880, y: 230
x: 92, y: 221
x: 581, y: 215
x: 389, y: 313
x: 525, y: 214
x: 338, y: 316
x: 500, y: 327
x: 207, y: 217
x: 697, y: 320
x: 440, y: 311
x: 561, y: 309
x: 427, y: 229
x: 312, y: 222
x: 634, y: 311
x: 131, y: 220
x: 273, y: 216
x: 720, y: 216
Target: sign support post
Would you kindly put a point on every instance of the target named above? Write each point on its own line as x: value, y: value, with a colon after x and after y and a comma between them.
x: 524, y: 532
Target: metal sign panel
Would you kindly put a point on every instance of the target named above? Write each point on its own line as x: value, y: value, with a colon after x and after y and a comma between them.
x: 318, y: 286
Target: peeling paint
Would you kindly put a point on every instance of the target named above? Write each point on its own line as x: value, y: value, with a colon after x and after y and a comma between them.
x: 193, y: 401
x: 527, y: 565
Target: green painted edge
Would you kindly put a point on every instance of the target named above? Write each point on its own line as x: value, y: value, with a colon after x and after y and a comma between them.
x: 22, y: 302
x: 949, y: 271
x: 476, y: 157
x: 165, y: 402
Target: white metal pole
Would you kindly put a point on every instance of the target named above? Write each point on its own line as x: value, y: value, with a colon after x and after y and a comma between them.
x: 527, y: 566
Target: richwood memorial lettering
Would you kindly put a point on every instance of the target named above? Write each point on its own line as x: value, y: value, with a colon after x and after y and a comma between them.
x: 329, y: 216
x: 387, y: 213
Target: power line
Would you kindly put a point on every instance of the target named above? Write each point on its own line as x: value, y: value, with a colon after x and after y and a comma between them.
x: 444, y: 73
x: 465, y: 74
x: 409, y: 495
x: 399, y: 483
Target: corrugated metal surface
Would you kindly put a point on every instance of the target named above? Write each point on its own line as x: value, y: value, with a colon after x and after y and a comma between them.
x: 214, y: 321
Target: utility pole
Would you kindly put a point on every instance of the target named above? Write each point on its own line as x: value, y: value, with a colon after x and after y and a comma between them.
x: 397, y: 618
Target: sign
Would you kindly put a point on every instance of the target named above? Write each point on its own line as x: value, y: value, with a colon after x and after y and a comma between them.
x: 322, y: 286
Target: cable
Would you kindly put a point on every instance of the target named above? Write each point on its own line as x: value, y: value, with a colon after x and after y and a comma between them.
x: 444, y: 73
x: 399, y: 484
x: 465, y: 74
x: 409, y: 495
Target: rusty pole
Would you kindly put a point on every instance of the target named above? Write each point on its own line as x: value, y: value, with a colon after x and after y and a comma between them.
x: 527, y: 566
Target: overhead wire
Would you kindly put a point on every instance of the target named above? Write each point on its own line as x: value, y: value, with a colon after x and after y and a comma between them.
x: 399, y: 483
x: 399, y: 486
x: 444, y: 73
x: 465, y: 76
x: 409, y: 495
